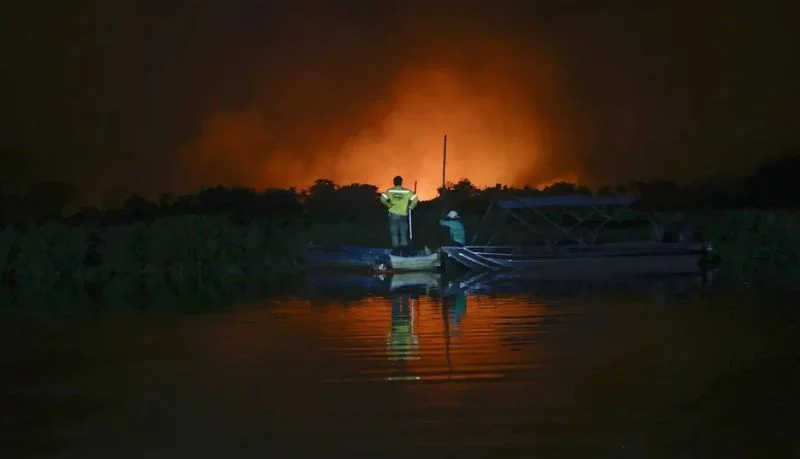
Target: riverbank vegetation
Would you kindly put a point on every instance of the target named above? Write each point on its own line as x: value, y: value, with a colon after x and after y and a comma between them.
x: 223, y: 234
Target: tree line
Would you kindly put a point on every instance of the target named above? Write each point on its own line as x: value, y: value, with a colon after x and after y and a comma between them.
x: 325, y: 201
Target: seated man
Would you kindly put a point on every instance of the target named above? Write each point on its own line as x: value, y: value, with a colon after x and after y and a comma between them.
x: 457, y: 232
x: 399, y: 201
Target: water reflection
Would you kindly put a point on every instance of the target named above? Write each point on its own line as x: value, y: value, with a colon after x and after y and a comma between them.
x: 483, y: 366
x: 426, y: 337
x: 353, y: 286
x: 403, y: 341
x: 662, y: 289
x: 454, y: 308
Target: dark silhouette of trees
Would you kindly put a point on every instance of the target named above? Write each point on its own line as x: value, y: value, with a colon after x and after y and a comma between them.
x: 565, y: 188
x: 46, y: 201
x: 773, y: 185
x: 327, y: 202
x: 41, y: 202
x: 320, y: 200
x: 661, y: 194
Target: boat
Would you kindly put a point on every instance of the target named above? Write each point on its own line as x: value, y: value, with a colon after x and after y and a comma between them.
x: 341, y: 283
x: 579, y: 249
x: 339, y: 256
x: 370, y: 258
x: 421, y: 262
x: 522, y: 281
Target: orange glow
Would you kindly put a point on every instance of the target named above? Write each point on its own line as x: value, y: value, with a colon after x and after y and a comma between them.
x: 489, y: 138
x: 495, y: 130
x: 368, y: 324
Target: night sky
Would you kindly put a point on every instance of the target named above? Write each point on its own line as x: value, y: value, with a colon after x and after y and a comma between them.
x: 121, y: 97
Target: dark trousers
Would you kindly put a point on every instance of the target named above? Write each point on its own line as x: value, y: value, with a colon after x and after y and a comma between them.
x: 398, y: 227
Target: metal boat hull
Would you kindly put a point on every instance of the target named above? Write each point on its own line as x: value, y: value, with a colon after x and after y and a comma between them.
x: 561, y: 262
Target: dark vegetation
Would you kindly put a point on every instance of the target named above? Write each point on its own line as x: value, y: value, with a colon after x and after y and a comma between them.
x: 222, y: 234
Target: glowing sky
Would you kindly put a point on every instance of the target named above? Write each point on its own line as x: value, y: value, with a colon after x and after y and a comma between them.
x: 493, y: 138
x: 151, y: 97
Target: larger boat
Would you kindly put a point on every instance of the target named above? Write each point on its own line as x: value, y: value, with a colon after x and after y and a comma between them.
x: 576, y: 236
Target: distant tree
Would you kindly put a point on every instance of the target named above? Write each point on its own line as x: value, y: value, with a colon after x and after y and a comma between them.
x: 662, y: 194
x: 605, y: 191
x: 138, y: 207
x: 220, y: 199
x: 165, y: 201
x: 85, y: 214
x: 276, y: 201
x: 358, y: 202
x: 464, y: 187
x: 320, y: 201
x: 560, y: 188
x: 772, y: 183
x: 46, y: 200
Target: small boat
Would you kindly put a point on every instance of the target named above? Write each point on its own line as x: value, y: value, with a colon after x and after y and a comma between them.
x: 378, y: 259
x: 344, y: 256
x: 563, y: 252
x: 421, y: 262
x: 342, y: 283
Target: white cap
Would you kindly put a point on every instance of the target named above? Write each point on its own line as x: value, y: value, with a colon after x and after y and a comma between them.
x: 452, y: 214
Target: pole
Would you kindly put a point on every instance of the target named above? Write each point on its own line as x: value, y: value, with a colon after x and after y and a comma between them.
x: 443, y: 205
x: 444, y: 165
x: 410, y: 226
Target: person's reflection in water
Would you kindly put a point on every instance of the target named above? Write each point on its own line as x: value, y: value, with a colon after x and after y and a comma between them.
x: 455, y: 307
x: 403, y: 341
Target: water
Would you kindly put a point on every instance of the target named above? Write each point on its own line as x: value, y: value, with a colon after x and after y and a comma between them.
x: 355, y: 367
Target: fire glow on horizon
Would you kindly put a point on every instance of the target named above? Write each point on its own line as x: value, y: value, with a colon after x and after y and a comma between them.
x: 493, y: 137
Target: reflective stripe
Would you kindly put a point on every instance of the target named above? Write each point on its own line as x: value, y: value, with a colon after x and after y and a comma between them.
x: 384, y: 195
x: 413, y: 197
x: 399, y: 191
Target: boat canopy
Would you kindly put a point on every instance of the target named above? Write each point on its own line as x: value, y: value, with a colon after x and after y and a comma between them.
x: 592, y: 213
x: 567, y: 201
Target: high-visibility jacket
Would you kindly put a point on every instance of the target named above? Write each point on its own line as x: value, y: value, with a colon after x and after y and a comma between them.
x: 399, y: 200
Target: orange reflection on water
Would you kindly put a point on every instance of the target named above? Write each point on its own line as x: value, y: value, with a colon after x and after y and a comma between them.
x: 415, y: 337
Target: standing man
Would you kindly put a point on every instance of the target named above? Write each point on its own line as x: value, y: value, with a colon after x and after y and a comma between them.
x: 399, y: 201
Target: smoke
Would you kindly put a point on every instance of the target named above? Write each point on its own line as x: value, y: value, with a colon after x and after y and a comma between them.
x: 498, y: 103
x: 170, y: 97
x: 492, y: 138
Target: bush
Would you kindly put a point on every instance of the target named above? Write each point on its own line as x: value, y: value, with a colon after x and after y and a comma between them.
x: 754, y: 243
x: 121, y: 250
x: 51, y: 252
x: 215, y: 248
x: 8, y: 240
